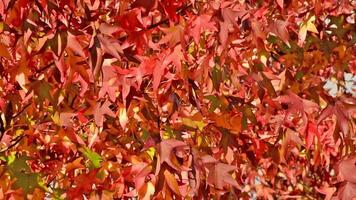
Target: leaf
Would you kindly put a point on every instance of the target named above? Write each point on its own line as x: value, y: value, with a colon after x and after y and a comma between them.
x: 215, y: 103
x: 247, y: 111
x: 167, y: 154
x: 25, y: 179
x: 307, y: 26
x: 295, y: 103
x: 327, y: 191
x: 230, y: 19
x: 280, y: 3
x: 172, y: 182
x: 220, y: 177
x: 291, y: 137
x: 123, y: 118
x: 279, y: 28
x: 22, y: 80
x: 173, y: 34
x: 110, y: 46
x: 109, y: 29
x: 194, y: 124
x: 147, y: 5
x: 101, y: 111
x: 347, y: 191
x: 216, y: 77
x: 200, y: 24
x: 74, y: 45
x: 4, y: 52
x: 76, y: 164
x: 343, y: 112
x: 312, y: 132
x: 59, y: 42
x: 94, y: 157
x: 232, y: 123
x: 83, y: 184
x: 346, y: 169
x: 157, y: 76
x: 65, y: 119
x: 298, y: 105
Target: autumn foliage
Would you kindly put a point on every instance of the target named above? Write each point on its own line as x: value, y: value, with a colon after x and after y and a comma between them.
x: 169, y: 99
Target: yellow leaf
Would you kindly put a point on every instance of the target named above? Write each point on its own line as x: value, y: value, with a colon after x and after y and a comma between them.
x: 199, y: 140
x: 305, y: 27
x: 56, y: 118
x: 123, y: 118
x: 151, y: 152
x: 150, y: 188
x: 147, y: 191
x: 194, y: 124
x: 310, y: 25
x: 263, y: 59
x: 22, y: 80
x: 303, y: 33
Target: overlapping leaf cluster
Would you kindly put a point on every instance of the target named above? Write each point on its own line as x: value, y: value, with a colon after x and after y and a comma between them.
x: 168, y: 99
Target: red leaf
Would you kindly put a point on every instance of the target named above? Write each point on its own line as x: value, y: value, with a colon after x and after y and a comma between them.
x: 83, y: 185
x: 200, y: 24
x: 219, y: 175
x: 343, y: 112
x: 131, y: 20
x: 110, y: 46
x: 347, y: 191
x: 312, y: 131
x: 173, y: 34
x: 327, y: 191
x: 167, y: 153
x: 230, y: 19
x: 279, y: 28
x: 280, y: 3
x: 157, y: 75
x: 102, y: 110
x: 298, y: 105
x: 346, y: 169
x: 74, y: 45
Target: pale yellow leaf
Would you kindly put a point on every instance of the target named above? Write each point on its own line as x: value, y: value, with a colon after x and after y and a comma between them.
x: 123, y: 118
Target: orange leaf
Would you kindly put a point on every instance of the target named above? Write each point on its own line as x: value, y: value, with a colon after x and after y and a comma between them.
x: 4, y: 51
x: 171, y: 181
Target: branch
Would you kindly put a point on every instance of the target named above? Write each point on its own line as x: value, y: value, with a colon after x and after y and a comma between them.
x: 2, y: 129
x: 17, y: 140
x: 21, y: 111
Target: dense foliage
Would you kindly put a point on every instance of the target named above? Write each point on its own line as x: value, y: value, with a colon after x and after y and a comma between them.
x: 172, y: 99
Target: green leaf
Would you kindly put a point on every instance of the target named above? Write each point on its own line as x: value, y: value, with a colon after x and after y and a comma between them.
x: 216, y: 76
x: 169, y: 133
x: 215, y: 103
x: 94, y: 157
x: 151, y: 152
x: 11, y: 158
x: 145, y: 135
x: 299, y: 76
x: 19, y: 169
x: 247, y: 111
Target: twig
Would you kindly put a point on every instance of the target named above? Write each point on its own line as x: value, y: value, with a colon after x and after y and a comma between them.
x: 17, y: 140
x: 21, y: 111
x: 2, y: 129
